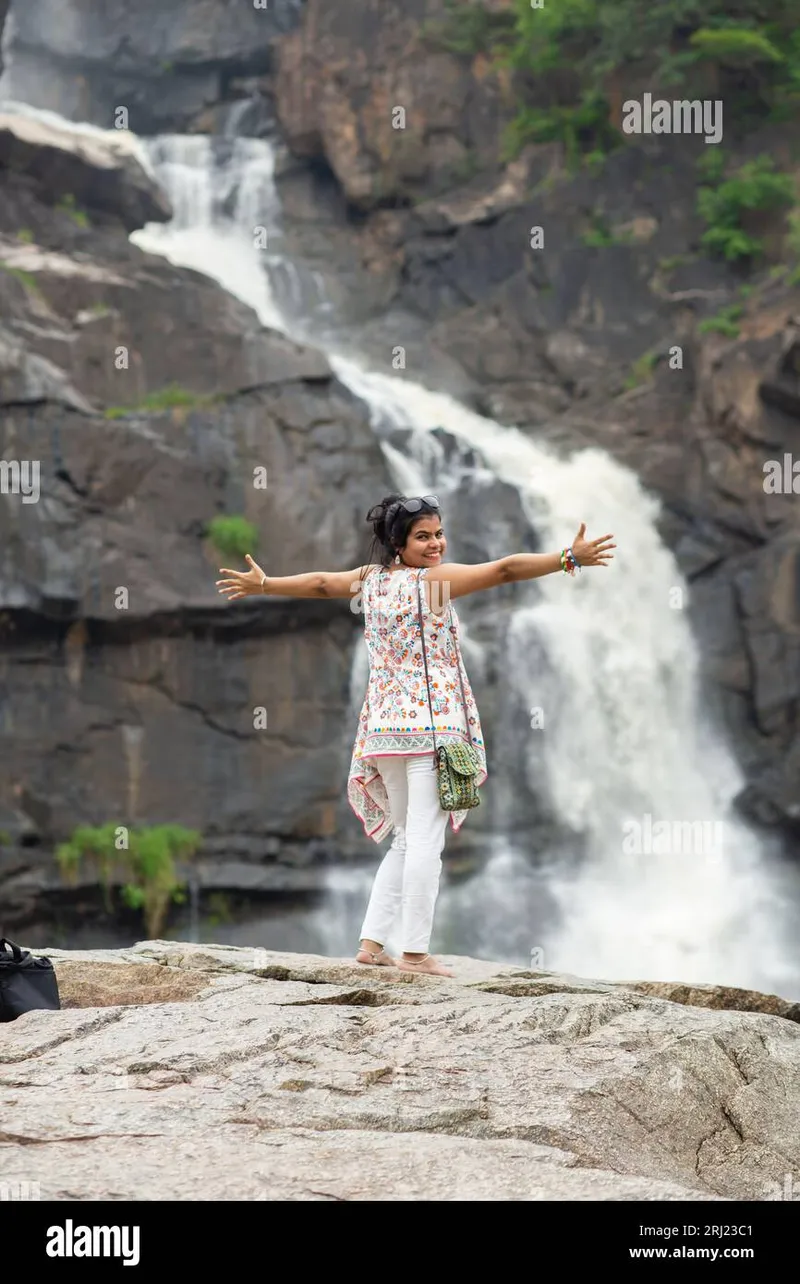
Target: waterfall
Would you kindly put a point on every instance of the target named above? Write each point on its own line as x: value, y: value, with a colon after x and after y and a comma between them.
x: 601, y: 671
x: 672, y: 885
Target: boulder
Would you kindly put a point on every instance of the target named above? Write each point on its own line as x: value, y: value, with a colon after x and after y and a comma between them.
x: 100, y: 173
x: 297, y: 1076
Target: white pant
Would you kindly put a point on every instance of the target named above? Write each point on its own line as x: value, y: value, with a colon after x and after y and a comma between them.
x: 407, y: 881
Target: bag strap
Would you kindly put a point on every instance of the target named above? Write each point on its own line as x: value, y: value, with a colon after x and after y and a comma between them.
x: 425, y: 661
x: 14, y: 950
x: 425, y: 658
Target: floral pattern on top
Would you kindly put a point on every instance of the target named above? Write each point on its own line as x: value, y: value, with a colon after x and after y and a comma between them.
x: 395, y: 716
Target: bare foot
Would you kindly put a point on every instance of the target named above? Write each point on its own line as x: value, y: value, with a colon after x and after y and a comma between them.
x: 427, y: 964
x: 379, y: 958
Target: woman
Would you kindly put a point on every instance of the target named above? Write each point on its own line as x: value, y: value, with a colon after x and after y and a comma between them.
x: 392, y: 781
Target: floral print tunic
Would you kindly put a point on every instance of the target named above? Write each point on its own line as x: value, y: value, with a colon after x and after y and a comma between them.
x: 395, y: 716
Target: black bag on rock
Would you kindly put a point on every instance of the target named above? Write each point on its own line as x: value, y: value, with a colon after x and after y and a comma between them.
x: 26, y: 982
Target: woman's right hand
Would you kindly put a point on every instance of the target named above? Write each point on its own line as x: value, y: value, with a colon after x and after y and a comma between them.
x: 242, y: 583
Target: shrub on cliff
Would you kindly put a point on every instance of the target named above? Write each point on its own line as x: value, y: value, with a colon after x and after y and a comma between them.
x: 573, y: 58
x: 232, y: 536
x: 145, y: 857
x: 723, y: 203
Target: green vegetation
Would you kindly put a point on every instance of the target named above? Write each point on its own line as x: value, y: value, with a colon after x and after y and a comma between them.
x: 725, y: 322
x: 26, y: 235
x: 583, y: 128
x: 734, y: 46
x: 218, y: 910
x: 565, y: 68
x: 469, y: 29
x: 594, y: 161
x: 5, y: 838
x: 146, y: 857
x: 642, y: 370
x: 571, y: 59
x: 579, y: 46
x: 232, y: 536
x: 27, y: 278
x: 757, y: 185
x: 165, y: 399
x: 68, y: 206
x: 672, y: 262
x: 599, y: 233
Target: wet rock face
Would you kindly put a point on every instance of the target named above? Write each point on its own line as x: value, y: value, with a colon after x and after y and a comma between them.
x: 144, y: 704
x: 171, y: 66
x: 288, y: 1074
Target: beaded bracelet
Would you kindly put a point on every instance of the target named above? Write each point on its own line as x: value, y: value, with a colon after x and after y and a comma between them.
x: 569, y: 561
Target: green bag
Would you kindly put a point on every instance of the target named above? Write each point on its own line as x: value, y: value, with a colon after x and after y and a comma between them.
x: 457, y: 764
x: 457, y: 769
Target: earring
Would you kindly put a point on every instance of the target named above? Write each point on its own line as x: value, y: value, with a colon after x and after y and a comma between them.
x: 397, y: 560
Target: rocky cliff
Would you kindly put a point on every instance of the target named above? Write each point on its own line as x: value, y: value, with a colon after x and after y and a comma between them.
x: 117, y: 648
x: 573, y: 339
x: 296, y: 1077
x: 424, y: 226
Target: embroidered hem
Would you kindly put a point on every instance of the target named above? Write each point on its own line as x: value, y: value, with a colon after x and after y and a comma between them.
x: 377, y: 743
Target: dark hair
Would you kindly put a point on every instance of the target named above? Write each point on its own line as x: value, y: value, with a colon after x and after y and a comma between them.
x: 388, y: 539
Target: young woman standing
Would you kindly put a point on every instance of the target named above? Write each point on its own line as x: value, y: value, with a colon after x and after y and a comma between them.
x: 392, y: 780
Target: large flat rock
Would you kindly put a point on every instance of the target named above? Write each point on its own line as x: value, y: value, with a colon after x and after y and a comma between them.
x: 299, y: 1077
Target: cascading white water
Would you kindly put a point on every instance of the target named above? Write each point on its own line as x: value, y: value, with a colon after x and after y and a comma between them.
x: 622, y: 736
x: 617, y: 736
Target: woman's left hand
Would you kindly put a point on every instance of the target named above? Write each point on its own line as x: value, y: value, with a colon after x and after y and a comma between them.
x: 593, y: 552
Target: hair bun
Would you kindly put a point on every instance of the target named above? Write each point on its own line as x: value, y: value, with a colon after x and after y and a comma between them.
x: 378, y: 511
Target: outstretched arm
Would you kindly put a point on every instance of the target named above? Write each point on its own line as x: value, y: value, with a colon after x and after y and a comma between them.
x: 312, y: 584
x: 463, y: 579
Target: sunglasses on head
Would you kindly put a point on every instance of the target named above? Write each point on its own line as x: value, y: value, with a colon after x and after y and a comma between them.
x: 414, y: 505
